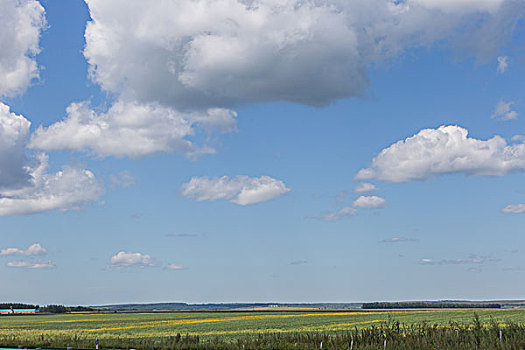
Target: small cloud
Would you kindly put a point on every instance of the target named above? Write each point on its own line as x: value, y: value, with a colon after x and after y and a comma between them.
x: 24, y: 264
x: 174, y: 267
x: 503, y: 64
x: 445, y: 150
x: 398, y: 240
x: 33, y: 250
x: 299, y: 262
x: 241, y: 190
x: 124, y: 259
x: 472, y: 259
x: 518, y: 138
x: 369, y: 202
x: 182, y: 235
x: 514, y: 209
x: 123, y: 179
x: 504, y: 111
x: 512, y: 268
x: 365, y: 187
x: 338, y: 215
x: 137, y: 215
x: 427, y: 262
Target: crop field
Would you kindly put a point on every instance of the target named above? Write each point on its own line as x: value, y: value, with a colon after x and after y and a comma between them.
x: 229, y: 325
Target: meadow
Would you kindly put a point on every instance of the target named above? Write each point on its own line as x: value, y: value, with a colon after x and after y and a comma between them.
x: 189, y: 329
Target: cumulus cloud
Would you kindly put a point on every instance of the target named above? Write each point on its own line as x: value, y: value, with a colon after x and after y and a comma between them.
x: 504, y: 111
x: 124, y: 259
x: 14, y: 131
x: 32, y: 250
x: 363, y: 202
x: 503, y: 64
x: 227, y: 52
x: 173, y: 65
x: 69, y: 189
x: 365, y: 187
x: 342, y: 213
x: 369, y: 202
x: 444, y: 150
x: 21, y: 23
x: 25, y: 264
x: 514, y: 209
x: 242, y: 190
x: 129, y: 129
x: 25, y: 186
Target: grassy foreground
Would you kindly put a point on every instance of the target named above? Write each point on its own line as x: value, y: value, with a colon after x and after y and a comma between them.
x: 412, y: 329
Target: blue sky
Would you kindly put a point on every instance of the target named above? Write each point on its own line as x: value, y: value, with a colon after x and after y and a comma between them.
x: 209, y: 151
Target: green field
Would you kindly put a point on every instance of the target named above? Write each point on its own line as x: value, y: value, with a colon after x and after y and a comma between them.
x: 228, y: 325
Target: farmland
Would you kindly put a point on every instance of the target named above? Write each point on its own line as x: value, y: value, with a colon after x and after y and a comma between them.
x: 228, y: 326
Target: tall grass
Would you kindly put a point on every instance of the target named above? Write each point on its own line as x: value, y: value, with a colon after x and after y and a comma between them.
x: 392, y: 333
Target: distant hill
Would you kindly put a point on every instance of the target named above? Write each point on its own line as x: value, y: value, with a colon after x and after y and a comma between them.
x: 224, y: 306
x: 302, y: 306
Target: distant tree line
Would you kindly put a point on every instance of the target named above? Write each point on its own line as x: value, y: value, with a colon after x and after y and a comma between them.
x: 428, y: 305
x: 54, y: 309
x: 17, y: 306
x: 61, y: 309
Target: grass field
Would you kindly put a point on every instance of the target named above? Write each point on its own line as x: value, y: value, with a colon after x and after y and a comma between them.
x: 228, y: 325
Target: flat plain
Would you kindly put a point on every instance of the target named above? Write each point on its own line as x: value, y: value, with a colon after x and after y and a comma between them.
x: 230, y: 325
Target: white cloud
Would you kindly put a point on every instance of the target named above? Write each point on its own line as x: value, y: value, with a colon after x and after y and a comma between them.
x: 175, y: 65
x: 32, y: 250
x: 174, y: 267
x: 504, y: 111
x: 242, y: 190
x: 25, y: 187
x: 427, y: 261
x: 129, y: 129
x: 25, y: 264
x: 69, y: 189
x: 365, y: 187
x: 209, y: 53
x: 124, y: 259
x: 503, y: 64
x: 369, y: 202
x: 471, y: 259
x: 518, y: 138
x: 398, y: 240
x: 445, y: 150
x: 21, y: 23
x: 514, y: 209
x: 338, y: 214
